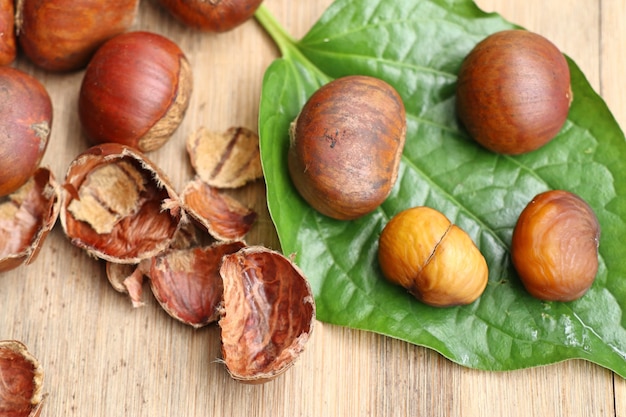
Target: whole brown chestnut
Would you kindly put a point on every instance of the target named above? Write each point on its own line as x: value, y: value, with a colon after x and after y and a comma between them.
x: 62, y: 35
x: 346, y: 144
x: 513, y: 92
x: 435, y: 260
x: 555, y: 246
x: 212, y: 15
x: 8, y: 47
x: 26, y: 120
x: 135, y: 91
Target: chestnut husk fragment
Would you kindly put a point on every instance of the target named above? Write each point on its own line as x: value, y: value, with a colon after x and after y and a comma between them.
x: 187, y: 283
x: 268, y: 314
x: 222, y: 216
x: 141, y: 227
x: 21, y: 381
x: 26, y: 218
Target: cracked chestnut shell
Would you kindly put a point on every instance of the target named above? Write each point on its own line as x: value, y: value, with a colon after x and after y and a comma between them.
x: 513, y: 92
x: 435, y: 260
x: 346, y: 144
x: 21, y: 381
x: 26, y: 218
x: 267, y: 316
x: 212, y: 15
x: 135, y: 91
x: 26, y: 120
x: 62, y: 35
x: 118, y: 205
x: 555, y: 246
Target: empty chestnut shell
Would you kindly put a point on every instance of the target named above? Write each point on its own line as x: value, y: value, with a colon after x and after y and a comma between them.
x: 117, y: 205
x: 8, y: 44
x: 21, y: 381
x: 26, y: 120
x: 346, y: 145
x: 268, y: 314
x: 135, y: 91
x: 555, y: 246
x: 26, y: 218
x: 513, y: 92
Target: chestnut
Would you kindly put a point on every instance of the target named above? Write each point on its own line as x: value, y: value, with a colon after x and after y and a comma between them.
x: 513, y: 92
x: 346, y: 144
x: 212, y: 15
x: 135, y: 91
x: 62, y: 35
x: 435, y: 260
x: 26, y: 120
x: 554, y: 246
x: 8, y: 47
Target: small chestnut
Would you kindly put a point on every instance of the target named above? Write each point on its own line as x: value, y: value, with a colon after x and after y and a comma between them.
x: 555, y: 246
x: 513, y: 92
x: 26, y: 120
x: 212, y: 15
x: 21, y: 381
x: 135, y: 91
x: 62, y: 35
x: 346, y: 144
x: 435, y: 260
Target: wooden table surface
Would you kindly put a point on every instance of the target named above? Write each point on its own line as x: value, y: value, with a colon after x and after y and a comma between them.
x: 104, y: 358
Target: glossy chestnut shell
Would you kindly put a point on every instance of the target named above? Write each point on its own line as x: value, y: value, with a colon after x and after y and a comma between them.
x: 555, y: 246
x: 212, y: 15
x: 346, y: 145
x: 513, y: 92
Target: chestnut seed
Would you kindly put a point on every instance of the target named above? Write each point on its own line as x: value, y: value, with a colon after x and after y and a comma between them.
x: 62, y: 35
x: 26, y: 218
x: 346, y: 144
x: 118, y: 206
x: 8, y: 47
x: 268, y: 314
x: 135, y: 91
x: 212, y: 15
x: 513, y: 92
x: 26, y: 120
x: 21, y: 381
x: 555, y: 246
x: 436, y: 261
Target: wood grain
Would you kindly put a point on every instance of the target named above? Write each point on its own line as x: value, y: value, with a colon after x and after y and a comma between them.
x: 104, y: 358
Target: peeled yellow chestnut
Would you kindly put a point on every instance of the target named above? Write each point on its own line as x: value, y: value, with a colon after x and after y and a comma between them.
x: 26, y: 120
x: 62, y: 35
x: 513, y: 92
x: 268, y: 314
x: 212, y: 15
x: 135, y: 91
x: 555, y: 246
x: 21, y: 381
x: 436, y: 261
x: 346, y: 144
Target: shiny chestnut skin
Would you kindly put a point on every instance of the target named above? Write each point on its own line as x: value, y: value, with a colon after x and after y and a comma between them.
x: 62, y: 35
x: 435, y: 260
x: 513, y: 92
x: 8, y: 44
x: 346, y: 144
x: 26, y: 120
x: 555, y: 246
x: 135, y: 91
x: 212, y: 15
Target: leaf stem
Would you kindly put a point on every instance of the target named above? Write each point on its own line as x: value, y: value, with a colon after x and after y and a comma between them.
x: 279, y: 35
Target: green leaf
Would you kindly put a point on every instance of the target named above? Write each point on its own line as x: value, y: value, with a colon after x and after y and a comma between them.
x: 417, y: 46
